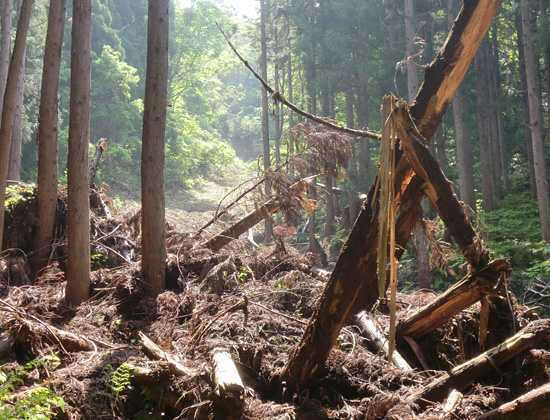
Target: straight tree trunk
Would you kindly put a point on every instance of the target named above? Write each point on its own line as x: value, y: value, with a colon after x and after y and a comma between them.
x: 498, y: 109
x: 78, y: 223
x: 546, y: 57
x: 153, y: 242
x: 278, y: 115
x: 353, y: 205
x: 464, y: 156
x: 535, y: 123
x: 5, y: 46
x: 14, y: 168
x: 10, y: 100
x: 47, y: 134
x: 525, y: 110
x: 290, y: 112
x: 265, y: 114
x: 353, y: 281
x: 420, y: 241
x: 484, y: 135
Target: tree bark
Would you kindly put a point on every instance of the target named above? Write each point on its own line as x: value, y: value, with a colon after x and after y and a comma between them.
x: 533, y: 405
x: 463, y: 375
x: 14, y: 169
x: 153, y: 260
x: 78, y: 223
x: 47, y: 135
x: 353, y: 281
x: 535, y: 123
x: 10, y: 98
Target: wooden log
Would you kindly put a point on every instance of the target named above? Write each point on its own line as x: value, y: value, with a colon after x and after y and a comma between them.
x: 380, y: 343
x: 233, y: 232
x: 465, y: 374
x: 225, y: 373
x: 457, y: 298
x: 158, y: 375
x: 353, y: 280
x: 154, y: 352
x: 530, y: 406
x: 452, y: 401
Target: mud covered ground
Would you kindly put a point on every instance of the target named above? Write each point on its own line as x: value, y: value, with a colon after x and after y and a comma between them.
x: 253, y: 303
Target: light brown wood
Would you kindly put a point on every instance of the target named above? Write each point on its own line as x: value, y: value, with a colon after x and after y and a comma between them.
x: 225, y: 372
x: 154, y: 352
x: 457, y: 298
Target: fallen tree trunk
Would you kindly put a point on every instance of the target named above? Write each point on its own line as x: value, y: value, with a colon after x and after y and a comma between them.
x: 457, y: 298
x: 233, y: 232
x: 380, y: 343
x: 463, y: 375
x: 530, y: 406
x: 353, y: 280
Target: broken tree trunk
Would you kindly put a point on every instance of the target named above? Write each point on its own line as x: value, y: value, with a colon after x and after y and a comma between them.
x: 353, y: 280
x: 457, y: 298
x: 533, y: 405
x: 463, y: 375
x: 226, y: 374
x: 94, y: 165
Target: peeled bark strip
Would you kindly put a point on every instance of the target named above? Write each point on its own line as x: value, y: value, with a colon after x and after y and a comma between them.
x: 226, y: 374
x: 233, y: 232
x: 532, y: 405
x: 372, y: 331
x: 353, y: 278
x: 457, y: 298
x: 462, y: 376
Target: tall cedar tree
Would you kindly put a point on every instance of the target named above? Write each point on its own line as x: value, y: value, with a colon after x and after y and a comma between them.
x: 536, y: 122
x: 47, y: 134
x: 265, y: 113
x: 153, y: 259
x: 78, y: 223
x: 14, y: 166
x: 10, y: 100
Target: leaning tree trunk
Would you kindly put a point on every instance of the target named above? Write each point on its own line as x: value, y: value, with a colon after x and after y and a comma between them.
x: 10, y: 98
x: 535, y: 123
x: 78, y: 220
x: 153, y: 243
x: 353, y: 281
x: 47, y: 135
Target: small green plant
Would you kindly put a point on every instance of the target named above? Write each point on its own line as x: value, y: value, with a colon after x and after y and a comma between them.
x: 35, y: 403
x: 98, y: 260
x: 243, y: 274
x: 119, y: 380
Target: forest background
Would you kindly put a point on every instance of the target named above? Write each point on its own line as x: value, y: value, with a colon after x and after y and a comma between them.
x: 335, y: 59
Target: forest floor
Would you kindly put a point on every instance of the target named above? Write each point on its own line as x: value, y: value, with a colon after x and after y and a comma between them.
x: 252, y: 303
